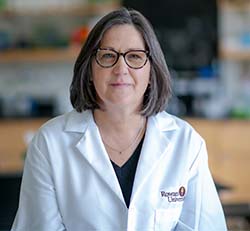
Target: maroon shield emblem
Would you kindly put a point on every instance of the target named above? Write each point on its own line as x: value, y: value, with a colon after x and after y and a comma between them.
x: 182, y: 191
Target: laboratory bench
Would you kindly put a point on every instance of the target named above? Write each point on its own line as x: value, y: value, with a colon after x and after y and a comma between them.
x: 228, y: 150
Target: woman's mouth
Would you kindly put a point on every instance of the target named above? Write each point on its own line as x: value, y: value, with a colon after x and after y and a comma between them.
x: 120, y: 84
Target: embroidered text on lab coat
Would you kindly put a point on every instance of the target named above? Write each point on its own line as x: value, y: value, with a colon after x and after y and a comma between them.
x: 175, y: 196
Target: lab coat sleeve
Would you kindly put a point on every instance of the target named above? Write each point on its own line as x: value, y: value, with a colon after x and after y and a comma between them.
x: 38, y: 209
x: 202, y: 210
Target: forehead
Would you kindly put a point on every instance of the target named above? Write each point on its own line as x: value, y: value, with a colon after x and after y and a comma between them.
x: 123, y: 37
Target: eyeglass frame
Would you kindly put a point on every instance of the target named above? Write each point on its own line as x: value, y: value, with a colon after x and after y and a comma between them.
x: 123, y: 54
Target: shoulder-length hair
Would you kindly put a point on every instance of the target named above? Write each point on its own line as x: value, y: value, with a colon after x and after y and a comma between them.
x: 82, y: 91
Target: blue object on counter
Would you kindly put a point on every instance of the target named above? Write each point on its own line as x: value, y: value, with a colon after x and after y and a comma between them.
x: 245, y: 39
x: 207, y: 72
x: 5, y: 41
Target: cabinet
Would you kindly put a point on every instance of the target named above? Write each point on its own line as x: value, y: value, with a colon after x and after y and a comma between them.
x: 229, y: 155
x: 234, y: 54
x: 15, y: 135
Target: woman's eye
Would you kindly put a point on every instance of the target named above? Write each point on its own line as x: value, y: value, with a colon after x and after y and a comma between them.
x: 108, y: 56
x: 134, y: 56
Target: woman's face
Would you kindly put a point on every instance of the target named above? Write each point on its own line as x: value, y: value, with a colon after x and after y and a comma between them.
x: 120, y: 85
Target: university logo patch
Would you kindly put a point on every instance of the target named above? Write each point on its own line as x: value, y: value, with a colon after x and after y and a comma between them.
x: 175, y: 196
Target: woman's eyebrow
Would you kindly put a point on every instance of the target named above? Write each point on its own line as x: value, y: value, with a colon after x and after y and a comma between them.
x: 129, y: 49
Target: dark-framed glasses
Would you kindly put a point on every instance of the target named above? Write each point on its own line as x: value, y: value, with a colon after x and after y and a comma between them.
x: 107, y: 57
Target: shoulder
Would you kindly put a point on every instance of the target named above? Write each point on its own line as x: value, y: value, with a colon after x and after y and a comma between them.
x: 178, y: 128
x: 167, y: 121
x: 70, y: 121
x: 63, y: 125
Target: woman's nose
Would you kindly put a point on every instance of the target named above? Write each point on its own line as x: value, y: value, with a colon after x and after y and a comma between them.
x: 121, y: 67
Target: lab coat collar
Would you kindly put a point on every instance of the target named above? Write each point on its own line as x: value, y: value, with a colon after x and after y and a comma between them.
x: 78, y: 122
x: 164, y: 121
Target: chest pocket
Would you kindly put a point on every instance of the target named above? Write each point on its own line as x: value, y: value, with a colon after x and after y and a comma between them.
x: 166, y: 219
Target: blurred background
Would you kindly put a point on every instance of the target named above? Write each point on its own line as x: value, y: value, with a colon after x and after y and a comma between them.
x: 207, y: 48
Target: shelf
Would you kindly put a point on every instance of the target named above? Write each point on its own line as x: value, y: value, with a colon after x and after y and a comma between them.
x: 81, y: 10
x: 243, y: 6
x: 40, y: 55
x: 235, y: 55
x: 71, y: 53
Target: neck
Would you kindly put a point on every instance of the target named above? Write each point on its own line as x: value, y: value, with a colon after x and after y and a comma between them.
x: 119, y: 121
x: 120, y: 133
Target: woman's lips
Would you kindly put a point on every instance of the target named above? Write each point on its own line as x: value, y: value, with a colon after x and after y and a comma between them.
x: 120, y: 84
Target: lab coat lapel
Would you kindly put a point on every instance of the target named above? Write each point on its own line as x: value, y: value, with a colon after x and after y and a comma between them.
x: 93, y: 150
x: 156, y: 145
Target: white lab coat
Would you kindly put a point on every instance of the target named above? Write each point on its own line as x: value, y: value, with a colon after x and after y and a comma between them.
x: 69, y: 182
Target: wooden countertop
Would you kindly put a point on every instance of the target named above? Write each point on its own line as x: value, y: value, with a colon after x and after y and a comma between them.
x: 227, y: 142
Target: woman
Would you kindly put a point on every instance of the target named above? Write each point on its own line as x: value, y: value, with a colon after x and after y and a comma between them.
x: 118, y: 161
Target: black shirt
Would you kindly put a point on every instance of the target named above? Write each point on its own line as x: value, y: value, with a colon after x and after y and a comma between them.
x: 126, y: 173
